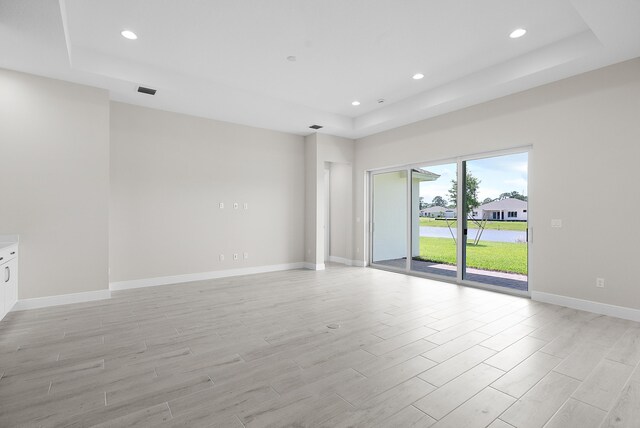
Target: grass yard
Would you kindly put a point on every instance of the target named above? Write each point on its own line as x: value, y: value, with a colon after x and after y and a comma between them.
x: 493, y: 225
x: 495, y: 256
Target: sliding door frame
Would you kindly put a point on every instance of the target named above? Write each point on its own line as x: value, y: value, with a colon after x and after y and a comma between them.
x: 461, y: 215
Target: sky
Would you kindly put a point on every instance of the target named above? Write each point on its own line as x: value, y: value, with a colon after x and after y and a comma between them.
x: 497, y: 175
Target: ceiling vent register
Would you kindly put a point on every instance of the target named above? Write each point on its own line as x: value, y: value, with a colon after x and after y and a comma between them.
x: 147, y: 91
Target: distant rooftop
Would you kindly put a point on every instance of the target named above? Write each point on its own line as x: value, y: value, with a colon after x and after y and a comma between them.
x: 509, y: 204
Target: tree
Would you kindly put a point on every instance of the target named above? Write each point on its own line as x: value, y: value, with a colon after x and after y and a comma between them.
x: 513, y: 195
x: 423, y: 204
x: 438, y: 201
x: 471, y: 193
x: 487, y: 200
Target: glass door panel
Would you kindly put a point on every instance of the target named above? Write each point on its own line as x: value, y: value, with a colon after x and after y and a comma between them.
x: 495, y: 201
x: 389, y: 219
x: 434, y: 220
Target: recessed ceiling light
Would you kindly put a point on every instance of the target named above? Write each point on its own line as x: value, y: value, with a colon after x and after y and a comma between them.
x: 355, y: 103
x: 128, y: 34
x: 518, y: 33
x: 418, y: 76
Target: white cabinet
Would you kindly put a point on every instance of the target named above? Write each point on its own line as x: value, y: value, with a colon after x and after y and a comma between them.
x: 8, y: 277
x: 11, y: 284
x: 3, y: 300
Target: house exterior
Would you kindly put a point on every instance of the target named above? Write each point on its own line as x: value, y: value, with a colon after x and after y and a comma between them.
x: 438, y: 212
x: 508, y: 209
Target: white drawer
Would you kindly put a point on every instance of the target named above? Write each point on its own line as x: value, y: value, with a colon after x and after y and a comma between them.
x: 7, y: 253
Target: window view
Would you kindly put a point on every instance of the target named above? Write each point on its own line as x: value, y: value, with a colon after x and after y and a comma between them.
x: 434, y: 215
x: 496, y: 198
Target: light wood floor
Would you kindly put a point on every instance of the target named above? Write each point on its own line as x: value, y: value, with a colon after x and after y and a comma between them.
x: 257, y: 351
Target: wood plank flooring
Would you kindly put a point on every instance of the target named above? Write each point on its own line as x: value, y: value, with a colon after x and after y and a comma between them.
x: 256, y: 351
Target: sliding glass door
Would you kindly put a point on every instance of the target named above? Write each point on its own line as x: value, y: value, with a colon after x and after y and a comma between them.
x: 496, y: 201
x: 465, y: 220
x: 433, y: 220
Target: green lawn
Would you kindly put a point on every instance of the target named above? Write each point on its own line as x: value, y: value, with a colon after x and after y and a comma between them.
x: 495, y: 256
x: 493, y: 225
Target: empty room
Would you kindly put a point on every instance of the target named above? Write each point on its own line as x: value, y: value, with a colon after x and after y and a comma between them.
x: 305, y: 213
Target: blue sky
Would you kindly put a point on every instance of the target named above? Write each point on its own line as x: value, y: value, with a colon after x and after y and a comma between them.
x: 497, y: 175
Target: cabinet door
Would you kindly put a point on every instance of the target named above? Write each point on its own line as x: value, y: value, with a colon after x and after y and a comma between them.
x: 11, y: 285
x: 3, y: 290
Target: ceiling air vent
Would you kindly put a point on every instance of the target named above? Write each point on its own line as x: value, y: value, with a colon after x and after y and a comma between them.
x: 148, y: 91
x: 315, y: 126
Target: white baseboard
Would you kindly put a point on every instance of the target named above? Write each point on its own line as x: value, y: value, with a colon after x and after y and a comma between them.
x: 314, y: 266
x: 190, y: 277
x: 61, y: 299
x: 341, y: 260
x: 588, y: 305
x: 347, y: 262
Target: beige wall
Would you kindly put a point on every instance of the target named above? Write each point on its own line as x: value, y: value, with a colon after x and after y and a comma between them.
x: 169, y: 172
x: 312, y: 182
x: 54, y: 182
x: 585, y: 133
x: 341, y: 210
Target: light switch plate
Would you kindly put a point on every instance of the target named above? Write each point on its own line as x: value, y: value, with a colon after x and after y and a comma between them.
x: 221, y: 205
x: 556, y: 222
x: 235, y: 205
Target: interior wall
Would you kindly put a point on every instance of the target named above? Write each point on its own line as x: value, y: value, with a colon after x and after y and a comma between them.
x: 311, y: 173
x: 54, y: 182
x: 170, y: 172
x: 584, y: 132
x: 341, y: 207
x: 327, y: 212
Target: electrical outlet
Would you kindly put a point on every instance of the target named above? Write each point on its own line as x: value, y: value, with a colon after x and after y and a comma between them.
x: 235, y: 205
x: 246, y: 206
x: 246, y: 255
x: 221, y: 257
x: 235, y: 257
x: 221, y: 205
x: 600, y: 282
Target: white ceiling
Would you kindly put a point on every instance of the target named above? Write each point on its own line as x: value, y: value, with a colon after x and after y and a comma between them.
x: 227, y: 59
